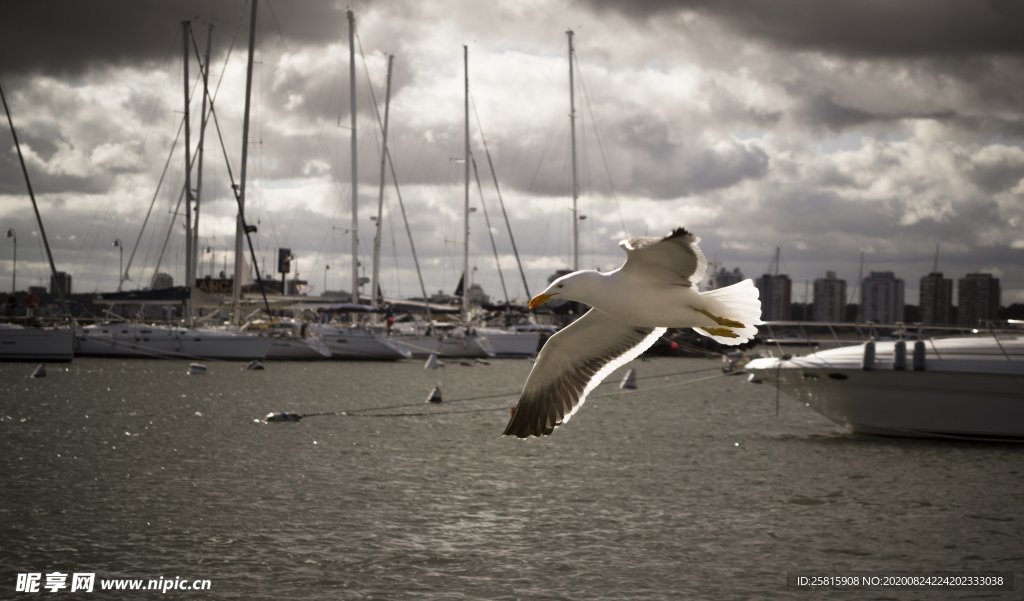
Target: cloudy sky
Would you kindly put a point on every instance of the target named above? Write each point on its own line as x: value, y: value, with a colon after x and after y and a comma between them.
x: 827, y: 129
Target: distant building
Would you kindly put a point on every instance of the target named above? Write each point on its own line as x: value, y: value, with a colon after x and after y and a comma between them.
x: 881, y: 298
x: 60, y: 282
x: 776, y: 293
x: 978, y: 298
x: 829, y: 298
x: 936, y: 299
x: 723, y: 277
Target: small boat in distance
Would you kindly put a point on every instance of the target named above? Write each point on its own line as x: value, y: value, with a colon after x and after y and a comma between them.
x: 968, y: 387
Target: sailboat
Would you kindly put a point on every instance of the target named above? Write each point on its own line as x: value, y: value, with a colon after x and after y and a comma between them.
x: 17, y: 342
x: 354, y: 340
x: 507, y: 338
x: 132, y: 339
x: 451, y: 340
x: 519, y: 340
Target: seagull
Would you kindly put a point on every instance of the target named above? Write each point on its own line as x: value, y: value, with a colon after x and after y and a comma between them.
x: 631, y: 307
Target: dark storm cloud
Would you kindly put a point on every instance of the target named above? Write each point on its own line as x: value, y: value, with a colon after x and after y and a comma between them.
x: 824, y: 127
x: 68, y: 36
x: 997, y: 168
x: 871, y: 28
x: 12, y: 180
x: 832, y: 114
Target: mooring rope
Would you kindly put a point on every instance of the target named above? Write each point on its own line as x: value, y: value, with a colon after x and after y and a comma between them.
x: 390, y: 410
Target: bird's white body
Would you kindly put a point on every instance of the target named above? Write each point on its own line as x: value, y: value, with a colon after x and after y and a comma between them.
x: 632, y: 306
x: 616, y: 294
x: 639, y: 301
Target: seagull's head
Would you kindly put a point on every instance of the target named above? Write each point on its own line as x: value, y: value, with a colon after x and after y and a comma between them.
x: 575, y: 287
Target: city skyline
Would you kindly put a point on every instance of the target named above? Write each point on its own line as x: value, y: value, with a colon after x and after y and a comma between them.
x: 878, y: 297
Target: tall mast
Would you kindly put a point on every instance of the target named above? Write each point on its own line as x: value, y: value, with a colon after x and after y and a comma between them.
x: 575, y: 184
x: 380, y: 199
x: 236, y: 289
x: 189, y: 279
x: 199, y: 151
x: 465, y: 249
x: 355, y: 165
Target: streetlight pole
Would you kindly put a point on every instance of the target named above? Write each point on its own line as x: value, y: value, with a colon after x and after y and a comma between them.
x: 120, y: 262
x: 14, y: 270
x: 326, y: 269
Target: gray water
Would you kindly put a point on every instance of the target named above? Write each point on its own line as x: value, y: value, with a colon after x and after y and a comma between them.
x: 690, y: 487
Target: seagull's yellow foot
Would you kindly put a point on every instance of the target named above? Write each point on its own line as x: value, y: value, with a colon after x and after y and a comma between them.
x: 723, y: 332
x: 722, y: 321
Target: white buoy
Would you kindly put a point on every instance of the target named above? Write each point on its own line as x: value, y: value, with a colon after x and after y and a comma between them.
x: 435, y: 395
x: 629, y: 381
x: 432, y: 362
x: 40, y: 371
x: 254, y: 365
x: 196, y: 369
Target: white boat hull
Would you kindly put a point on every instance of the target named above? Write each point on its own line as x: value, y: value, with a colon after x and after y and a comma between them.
x: 513, y: 344
x: 290, y: 340
x: 421, y: 346
x: 36, y: 344
x: 142, y: 341
x: 913, y: 403
x: 360, y: 344
x: 961, y: 392
x: 297, y: 349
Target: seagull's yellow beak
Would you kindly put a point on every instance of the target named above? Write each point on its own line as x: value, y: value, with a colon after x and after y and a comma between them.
x: 540, y: 299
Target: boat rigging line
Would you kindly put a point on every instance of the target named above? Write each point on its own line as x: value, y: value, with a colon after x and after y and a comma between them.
x: 600, y: 146
x: 35, y: 207
x: 490, y: 232
x: 394, y: 181
x: 501, y: 201
x: 237, y: 189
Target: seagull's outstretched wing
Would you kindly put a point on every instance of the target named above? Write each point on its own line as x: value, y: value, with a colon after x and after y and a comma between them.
x: 674, y: 259
x: 570, y: 365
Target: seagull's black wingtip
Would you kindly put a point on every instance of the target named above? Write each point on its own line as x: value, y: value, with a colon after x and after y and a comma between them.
x: 678, y: 232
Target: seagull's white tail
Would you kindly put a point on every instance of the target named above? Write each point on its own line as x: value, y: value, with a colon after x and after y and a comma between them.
x: 737, y: 303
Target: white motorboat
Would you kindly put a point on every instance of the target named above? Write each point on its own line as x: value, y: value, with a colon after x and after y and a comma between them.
x: 965, y: 387
x: 355, y: 342
x: 162, y: 341
x: 18, y: 343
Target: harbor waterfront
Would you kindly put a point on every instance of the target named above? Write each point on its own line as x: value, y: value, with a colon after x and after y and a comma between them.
x: 696, y: 485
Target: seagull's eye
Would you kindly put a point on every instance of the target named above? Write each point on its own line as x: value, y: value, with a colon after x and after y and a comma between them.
x: 561, y: 285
